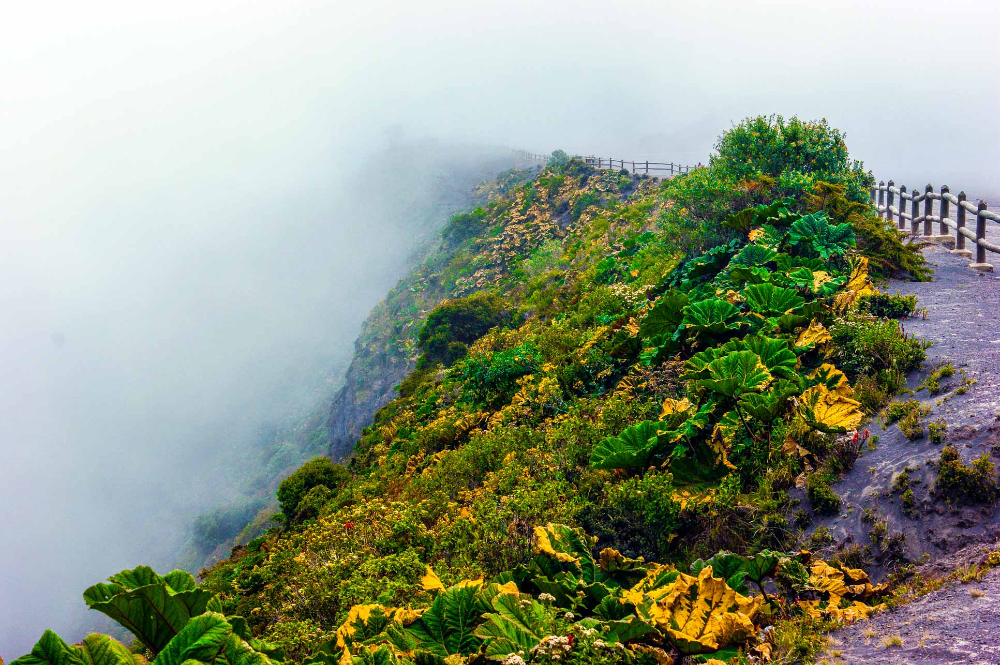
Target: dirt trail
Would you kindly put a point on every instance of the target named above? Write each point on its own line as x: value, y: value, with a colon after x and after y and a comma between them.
x: 959, y: 623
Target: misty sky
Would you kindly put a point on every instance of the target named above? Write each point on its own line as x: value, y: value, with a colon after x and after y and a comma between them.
x: 193, y: 225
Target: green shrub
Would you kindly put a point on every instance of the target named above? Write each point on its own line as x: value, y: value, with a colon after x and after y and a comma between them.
x: 865, y: 346
x: 910, y: 416
x: 794, y: 152
x: 650, y: 498
x: 972, y: 483
x: 320, y: 472
x: 938, y: 431
x: 463, y: 226
x: 889, y: 306
x: 491, y: 378
x: 454, y: 324
x: 933, y: 381
x: 559, y: 159
x: 822, y: 498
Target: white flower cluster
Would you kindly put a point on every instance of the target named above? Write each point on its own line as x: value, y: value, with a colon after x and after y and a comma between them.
x: 512, y: 659
x: 632, y: 296
x: 546, y: 596
x: 553, y: 647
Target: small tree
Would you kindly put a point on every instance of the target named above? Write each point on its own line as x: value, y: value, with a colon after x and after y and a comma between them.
x: 320, y: 472
x: 454, y: 324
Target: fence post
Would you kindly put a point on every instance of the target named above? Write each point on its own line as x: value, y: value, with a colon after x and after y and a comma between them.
x: 944, y: 211
x: 928, y: 208
x: 914, y: 213
x: 902, y: 207
x: 647, y: 167
x: 981, y: 263
x: 888, y: 201
x: 881, y: 197
x: 960, y: 223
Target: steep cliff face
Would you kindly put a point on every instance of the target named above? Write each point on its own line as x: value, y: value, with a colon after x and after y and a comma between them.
x: 369, y: 385
x: 385, y: 350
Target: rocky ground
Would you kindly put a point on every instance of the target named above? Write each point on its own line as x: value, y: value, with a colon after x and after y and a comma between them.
x: 959, y: 623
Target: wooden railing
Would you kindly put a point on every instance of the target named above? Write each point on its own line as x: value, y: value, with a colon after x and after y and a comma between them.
x: 663, y: 169
x: 884, y: 198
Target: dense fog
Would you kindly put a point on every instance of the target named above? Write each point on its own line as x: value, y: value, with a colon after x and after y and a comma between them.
x: 200, y: 201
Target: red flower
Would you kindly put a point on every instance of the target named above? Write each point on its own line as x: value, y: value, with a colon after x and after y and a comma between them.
x: 866, y: 434
x: 348, y: 525
x: 571, y: 640
x: 854, y: 439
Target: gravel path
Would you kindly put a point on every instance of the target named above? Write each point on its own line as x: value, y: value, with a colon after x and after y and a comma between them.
x: 961, y: 622
x: 956, y: 624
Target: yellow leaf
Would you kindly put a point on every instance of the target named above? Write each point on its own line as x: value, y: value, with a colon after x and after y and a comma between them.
x: 659, y: 656
x: 672, y: 406
x: 430, y: 581
x: 833, y: 379
x: 755, y: 234
x: 701, y: 615
x: 814, y: 334
x: 544, y: 546
x: 829, y: 411
x: 820, y: 278
x: 857, y: 285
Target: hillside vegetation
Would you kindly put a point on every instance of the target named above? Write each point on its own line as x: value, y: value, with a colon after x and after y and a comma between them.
x: 615, y: 371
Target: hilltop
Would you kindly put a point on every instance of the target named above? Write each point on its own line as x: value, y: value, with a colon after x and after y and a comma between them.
x: 592, y: 372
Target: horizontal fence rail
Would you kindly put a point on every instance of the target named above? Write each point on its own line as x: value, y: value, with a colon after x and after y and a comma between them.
x: 885, y: 197
x: 662, y: 169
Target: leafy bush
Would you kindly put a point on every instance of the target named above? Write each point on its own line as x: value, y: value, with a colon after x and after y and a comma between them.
x: 559, y: 159
x: 454, y: 324
x: 972, y: 483
x: 866, y: 346
x: 794, y: 152
x: 889, y: 306
x: 492, y: 377
x: 938, y: 431
x: 463, y: 226
x: 822, y: 498
x: 318, y: 473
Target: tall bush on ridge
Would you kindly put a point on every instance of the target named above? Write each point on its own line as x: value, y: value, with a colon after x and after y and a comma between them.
x: 794, y: 152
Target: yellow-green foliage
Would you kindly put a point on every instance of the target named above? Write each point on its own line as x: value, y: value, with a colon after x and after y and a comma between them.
x: 657, y: 372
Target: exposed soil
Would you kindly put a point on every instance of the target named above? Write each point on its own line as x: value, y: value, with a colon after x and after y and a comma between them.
x: 951, y: 625
x: 963, y: 320
x: 959, y: 623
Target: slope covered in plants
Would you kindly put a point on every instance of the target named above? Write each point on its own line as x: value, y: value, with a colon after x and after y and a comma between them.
x: 624, y: 371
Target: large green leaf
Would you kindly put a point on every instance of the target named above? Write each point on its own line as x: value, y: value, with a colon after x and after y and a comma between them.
x: 735, y: 374
x: 633, y: 448
x: 665, y: 316
x: 775, y: 354
x: 447, y: 627
x: 148, y: 605
x: 513, y: 626
x: 741, y: 221
x: 735, y: 568
x: 771, y: 300
x: 95, y: 650
x: 753, y: 255
x: 815, y: 235
x: 202, y: 640
x: 712, y: 316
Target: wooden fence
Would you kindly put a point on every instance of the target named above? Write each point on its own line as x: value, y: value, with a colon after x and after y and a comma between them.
x: 662, y: 169
x: 884, y: 198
